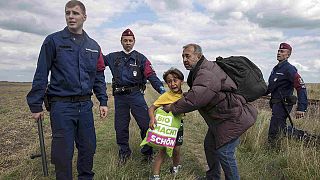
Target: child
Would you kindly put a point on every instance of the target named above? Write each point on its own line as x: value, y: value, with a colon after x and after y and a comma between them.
x: 174, y: 79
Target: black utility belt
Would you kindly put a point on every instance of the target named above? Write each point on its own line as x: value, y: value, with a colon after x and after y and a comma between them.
x: 275, y: 101
x: 288, y: 100
x: 125, y: 90
x: 70, y: 98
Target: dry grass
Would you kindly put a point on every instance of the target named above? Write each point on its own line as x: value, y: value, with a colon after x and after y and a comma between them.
x: 18, y: 139
x: 313, y: 90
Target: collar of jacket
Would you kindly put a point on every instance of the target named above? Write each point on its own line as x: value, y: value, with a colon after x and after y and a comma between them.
x: 67, y: 34
x: 126, y: 52
x: 126, y: 57
x: 194, y: 71
x: 279, y: 65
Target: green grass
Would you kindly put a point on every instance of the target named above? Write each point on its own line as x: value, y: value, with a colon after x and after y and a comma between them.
x: 18, y: 139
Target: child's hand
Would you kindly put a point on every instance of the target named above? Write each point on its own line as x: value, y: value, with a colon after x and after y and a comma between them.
x: 152, y: 123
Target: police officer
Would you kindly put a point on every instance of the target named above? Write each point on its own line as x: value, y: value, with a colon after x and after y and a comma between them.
x: 131, y: 70
x: 77, y: 68
x: 284, y: 77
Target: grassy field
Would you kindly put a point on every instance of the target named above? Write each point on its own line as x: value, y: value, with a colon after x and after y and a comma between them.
x: 18, y: 140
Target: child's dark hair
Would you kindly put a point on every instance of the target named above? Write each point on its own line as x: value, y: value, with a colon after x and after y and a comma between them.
x: 175, y: 72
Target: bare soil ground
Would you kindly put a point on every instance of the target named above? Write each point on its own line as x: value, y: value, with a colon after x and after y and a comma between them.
x: 17, y: 130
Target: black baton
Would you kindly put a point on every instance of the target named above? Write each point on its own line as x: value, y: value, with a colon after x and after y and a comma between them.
x: 287, y: 112
x: 285, y: 109
x: 42, y: 148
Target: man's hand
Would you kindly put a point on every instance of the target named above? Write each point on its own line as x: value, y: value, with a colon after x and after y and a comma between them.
x: 167, y: 108
x: 103, y: 111
x: 37, y: 115
x: 299, y: 114
x: 152, y: 123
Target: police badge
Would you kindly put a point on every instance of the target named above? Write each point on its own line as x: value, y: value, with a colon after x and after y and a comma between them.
x: 134, y: 73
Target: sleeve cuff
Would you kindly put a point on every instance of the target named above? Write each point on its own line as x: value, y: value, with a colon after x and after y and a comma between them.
x: 162, y: 90
x: 103, y: 103
x: 36, y: 109
x: 303, y: 110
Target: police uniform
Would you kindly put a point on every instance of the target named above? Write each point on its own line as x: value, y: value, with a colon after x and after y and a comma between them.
x: 77, y: 68
x: 282, y: 81
x: 130, y: 74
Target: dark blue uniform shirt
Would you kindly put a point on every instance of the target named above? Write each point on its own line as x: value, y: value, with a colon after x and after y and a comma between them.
x: 283, y: 79
x: 132, y: 69
x: 76, y: 70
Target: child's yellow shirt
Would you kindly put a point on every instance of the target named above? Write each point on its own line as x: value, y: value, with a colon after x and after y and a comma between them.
x: 167, y: 98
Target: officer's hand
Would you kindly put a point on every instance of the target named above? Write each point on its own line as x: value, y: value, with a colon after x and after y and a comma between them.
x: 103, y: 111
x: 167, y: 108
x: 37, y: 115
x: 299, y: 114
x: 152, y: 123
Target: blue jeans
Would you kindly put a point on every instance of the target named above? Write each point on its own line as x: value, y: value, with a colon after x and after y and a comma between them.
x: 222, y: 157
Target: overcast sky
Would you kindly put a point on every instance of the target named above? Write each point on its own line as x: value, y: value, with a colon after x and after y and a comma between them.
x: 253, y: 28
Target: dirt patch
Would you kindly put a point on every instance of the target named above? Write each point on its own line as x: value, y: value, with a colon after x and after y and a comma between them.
x: 18, y: 132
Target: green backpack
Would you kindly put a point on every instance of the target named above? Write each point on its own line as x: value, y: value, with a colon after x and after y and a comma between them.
x: 247, y: 76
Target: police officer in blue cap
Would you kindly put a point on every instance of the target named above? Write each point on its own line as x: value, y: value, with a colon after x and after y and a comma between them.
x: 76, y: 65
x: 131, y: 70
x: 282, y: 81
